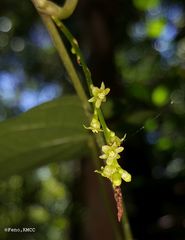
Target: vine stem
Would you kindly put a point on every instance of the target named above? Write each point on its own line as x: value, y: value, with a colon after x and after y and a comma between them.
x: 87, y: 73
x: 57, y: 41
x: 60, y: 47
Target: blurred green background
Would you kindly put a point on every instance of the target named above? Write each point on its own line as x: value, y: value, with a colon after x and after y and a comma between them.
x: 138, y: 49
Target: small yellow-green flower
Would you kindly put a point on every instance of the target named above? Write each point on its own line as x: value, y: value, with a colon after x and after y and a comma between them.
x: 108, y: 170
x: 115, y: 174
x: 95, y: 126
x: 99, y: 95
x: 111, y: 153
x: 113, y: 139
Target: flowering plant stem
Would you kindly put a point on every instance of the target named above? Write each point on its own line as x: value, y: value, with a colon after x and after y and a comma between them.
x: 58, y: 43
x: 87, y: 73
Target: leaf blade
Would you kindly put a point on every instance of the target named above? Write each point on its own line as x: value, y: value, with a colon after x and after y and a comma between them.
x: 50, y: 132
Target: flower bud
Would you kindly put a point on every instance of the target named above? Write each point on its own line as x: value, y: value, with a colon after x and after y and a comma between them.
x: 116, y: 179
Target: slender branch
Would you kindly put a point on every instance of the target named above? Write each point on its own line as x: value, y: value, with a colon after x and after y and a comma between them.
x: 103, y: 123
x: 87, y: 73
x: 57, y: 41
x: 77, y: 52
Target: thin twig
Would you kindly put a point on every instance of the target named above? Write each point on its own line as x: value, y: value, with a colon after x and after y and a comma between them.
x: 58, y: 43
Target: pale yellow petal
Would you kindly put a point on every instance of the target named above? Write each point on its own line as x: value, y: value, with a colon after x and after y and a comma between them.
x: 91, y: 99
x: 105, y: 148
x: 95, y: 91
x: 119, y: 149
x: 103, y: 156
x: 106, y: 91
x: 126, y: 176
x: 102, y: 86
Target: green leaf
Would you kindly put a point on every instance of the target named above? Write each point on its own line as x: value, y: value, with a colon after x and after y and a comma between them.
x: 160, y: 96
x: 155, y: 27
x: 50, y: 132
x: 146, y: 4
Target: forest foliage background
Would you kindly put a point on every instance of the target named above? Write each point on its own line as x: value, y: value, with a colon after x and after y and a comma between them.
x: 138, y: 49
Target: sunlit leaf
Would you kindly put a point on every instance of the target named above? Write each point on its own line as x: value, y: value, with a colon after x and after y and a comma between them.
x: 160, y: 96
x: 155, y: 27
x: 38, y: 214
x: 146, y: 4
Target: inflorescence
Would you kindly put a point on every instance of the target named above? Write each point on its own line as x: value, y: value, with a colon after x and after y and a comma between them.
x: 111, y: 152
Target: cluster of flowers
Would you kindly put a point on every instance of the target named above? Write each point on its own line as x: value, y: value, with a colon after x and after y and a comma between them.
x: 111, y: 152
